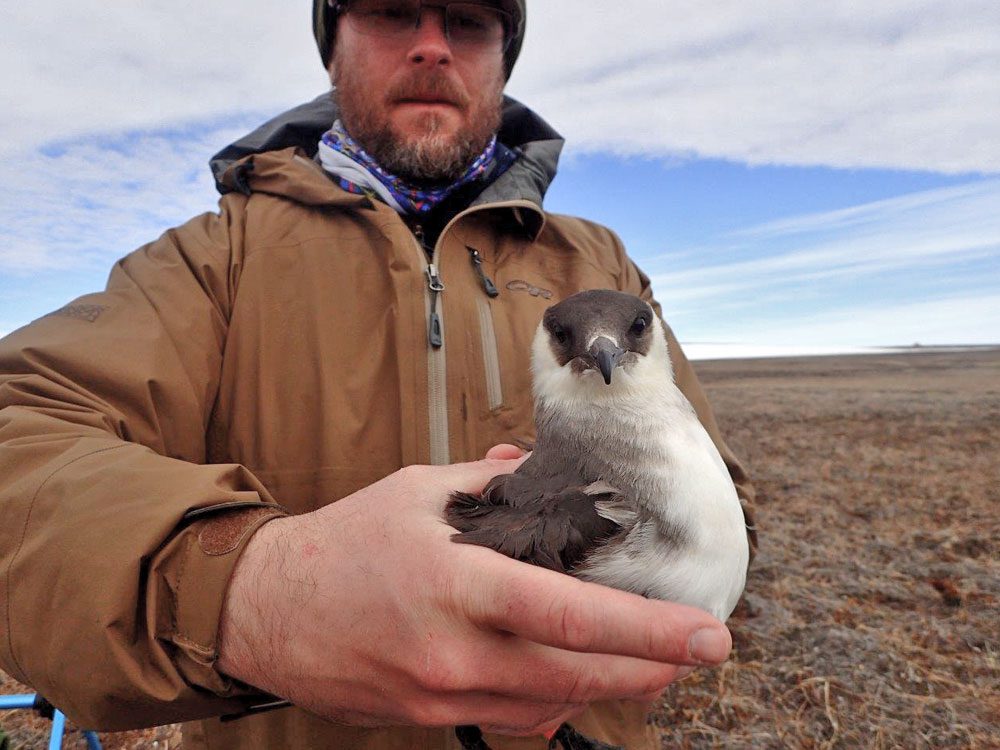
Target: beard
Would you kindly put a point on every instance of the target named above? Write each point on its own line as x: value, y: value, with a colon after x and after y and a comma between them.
x: 432, y: 156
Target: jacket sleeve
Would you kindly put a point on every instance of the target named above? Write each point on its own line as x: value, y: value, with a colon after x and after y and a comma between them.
x: 117, y: 542
x: 634, y: 281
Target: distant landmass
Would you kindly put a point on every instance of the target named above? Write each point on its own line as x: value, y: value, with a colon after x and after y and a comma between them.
x: 708, y: 350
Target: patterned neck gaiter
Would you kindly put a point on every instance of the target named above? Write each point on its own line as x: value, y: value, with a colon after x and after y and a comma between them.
x: 357, y: 172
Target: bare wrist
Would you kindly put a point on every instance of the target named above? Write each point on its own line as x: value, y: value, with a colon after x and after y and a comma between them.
x: 248, y: 625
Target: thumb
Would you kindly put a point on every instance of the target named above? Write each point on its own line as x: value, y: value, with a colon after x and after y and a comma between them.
x: 472, y: 477
x: 504, y: 451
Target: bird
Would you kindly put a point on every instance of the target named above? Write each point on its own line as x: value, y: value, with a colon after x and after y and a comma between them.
x: 624, y: 487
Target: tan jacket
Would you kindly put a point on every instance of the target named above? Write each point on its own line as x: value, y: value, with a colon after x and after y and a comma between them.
x: 276, y: 352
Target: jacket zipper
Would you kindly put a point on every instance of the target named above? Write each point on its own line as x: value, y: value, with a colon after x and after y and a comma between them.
x: 437, y: 393
x: 477, y: 262
x: 436, y: 362
x: 488, y: 338
x: 435, y: 286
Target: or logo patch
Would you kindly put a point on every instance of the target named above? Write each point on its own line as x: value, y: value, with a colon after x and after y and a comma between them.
x: 89, y: 313
x: 523, y: 286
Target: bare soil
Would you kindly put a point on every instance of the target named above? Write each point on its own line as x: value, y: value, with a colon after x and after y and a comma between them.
x: 872, y: 613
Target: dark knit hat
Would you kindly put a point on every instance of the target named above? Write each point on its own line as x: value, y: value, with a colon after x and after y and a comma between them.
x: 324, y: 23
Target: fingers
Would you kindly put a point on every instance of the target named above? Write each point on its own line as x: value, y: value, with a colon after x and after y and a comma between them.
x: 518, y: 668
x: 491, y: 712
x: 504, y: 451
x: 504, y: 714
x: 472, y: 477
x: 546, y: 724
x: 556, y: 610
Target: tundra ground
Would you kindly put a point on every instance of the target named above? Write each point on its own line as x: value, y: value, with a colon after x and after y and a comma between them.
x: 872, y: 614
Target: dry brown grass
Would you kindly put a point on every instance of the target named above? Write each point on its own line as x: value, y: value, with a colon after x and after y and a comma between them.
x: 872, y: 617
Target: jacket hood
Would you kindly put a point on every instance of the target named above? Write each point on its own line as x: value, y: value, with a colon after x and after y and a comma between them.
x: 537, y: 144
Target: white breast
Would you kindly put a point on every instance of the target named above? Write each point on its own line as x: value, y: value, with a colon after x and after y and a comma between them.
x: 690, y: 545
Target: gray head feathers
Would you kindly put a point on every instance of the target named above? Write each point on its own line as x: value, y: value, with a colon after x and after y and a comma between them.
x: 599, y: 345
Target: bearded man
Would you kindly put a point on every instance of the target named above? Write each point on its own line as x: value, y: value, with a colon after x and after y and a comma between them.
x: 353, y: 323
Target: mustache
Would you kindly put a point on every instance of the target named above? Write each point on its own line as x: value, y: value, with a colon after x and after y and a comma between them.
x: 421, y: 85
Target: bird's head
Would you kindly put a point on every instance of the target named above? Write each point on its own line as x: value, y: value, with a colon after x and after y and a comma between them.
x: 598, y: 338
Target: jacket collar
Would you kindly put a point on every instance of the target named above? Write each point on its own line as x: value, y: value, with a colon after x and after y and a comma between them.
x: 260, y: 161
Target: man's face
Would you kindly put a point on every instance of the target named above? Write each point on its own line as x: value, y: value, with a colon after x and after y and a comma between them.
x: 423, y: 109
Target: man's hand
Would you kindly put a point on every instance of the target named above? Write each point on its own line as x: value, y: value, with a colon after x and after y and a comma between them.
x: 367, y: 613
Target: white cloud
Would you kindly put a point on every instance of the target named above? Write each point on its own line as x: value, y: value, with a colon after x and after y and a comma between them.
x: 87, y: 203
x: 965, y: 204
x: 900, y: 83
x: 75, y: 67
x: 945, y: 226
x: 907, y: 84
x: 919, y: 268
x: 951, y: 320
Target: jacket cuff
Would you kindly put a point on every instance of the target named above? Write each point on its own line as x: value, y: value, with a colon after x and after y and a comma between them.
x: 189, y: 578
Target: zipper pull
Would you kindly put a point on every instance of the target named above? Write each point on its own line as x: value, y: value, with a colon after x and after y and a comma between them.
x: 434, y: 282
x: 436, y: 286
x: 477, y: 263
x: 418, y: 232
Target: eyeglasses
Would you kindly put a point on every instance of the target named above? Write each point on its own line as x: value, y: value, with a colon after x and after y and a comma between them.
x: 470, y: 26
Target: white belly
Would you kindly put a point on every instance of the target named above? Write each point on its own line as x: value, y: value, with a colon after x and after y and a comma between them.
x: 702, y: 558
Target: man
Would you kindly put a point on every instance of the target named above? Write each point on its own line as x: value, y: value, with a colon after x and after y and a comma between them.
x: 170, y: 449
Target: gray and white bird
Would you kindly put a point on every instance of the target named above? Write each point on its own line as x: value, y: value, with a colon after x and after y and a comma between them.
x: 624, y: 486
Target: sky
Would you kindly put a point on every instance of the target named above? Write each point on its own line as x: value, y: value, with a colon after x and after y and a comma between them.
x: 794, y: 177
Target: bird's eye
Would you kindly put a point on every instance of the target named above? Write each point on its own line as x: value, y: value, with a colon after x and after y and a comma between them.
x: 559, y: 334
x: 638, y: 326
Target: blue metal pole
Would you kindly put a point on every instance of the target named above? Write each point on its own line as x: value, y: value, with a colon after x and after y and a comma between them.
x: 58, y: 721
x: 58, y: 729
x: 17, y: 701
